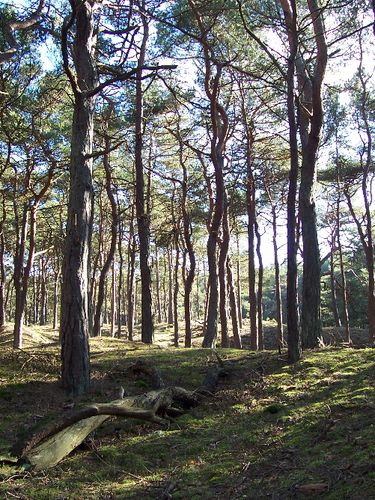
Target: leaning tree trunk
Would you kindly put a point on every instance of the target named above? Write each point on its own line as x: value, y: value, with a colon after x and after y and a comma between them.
x: 76, y: 276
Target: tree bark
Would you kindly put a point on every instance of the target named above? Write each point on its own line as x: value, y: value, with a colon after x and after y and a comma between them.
x: 143, y: 217
x: 130, y: 280
x: 223, y: 256
x: 260, y: 287
x: 279, y: 308
x: 114, y: 227
x: 294, y: 341
x: 75, y: 298
x: 2, y: 268
x: 311, y: 121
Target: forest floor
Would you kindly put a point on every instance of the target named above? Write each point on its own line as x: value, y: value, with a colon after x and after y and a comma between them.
x: 271, y: 430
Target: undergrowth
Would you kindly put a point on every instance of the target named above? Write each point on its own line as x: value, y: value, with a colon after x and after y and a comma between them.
x: 271, y: 431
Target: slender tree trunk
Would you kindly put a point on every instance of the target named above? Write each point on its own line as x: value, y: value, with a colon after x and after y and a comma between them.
x: 294, y: 342
x: 113, y: 299
x: 2, y: 269
x: 279, y: 308
x: 43, y: 292
x: 332, y: 278
x: 187, y: 232
x: 238, y: 276
x: 24, y: 282
x: 223, y: 256
x: 232, y: 295
x: 251, y: 214
x: 114, y: 227
x: 344, y: 287
x: 143, y: 217
x: 21, y: 233
x: 219, y: 128
x: 170, y: 286
x: 212, y: 244
x: 311, y: 120
x: 75, y: 298
x: 158, y: 298
x: 260, y: 287
x: 176, y: 285
x: 130, y: 292
x: 56, y: 283
x: 120, y: 278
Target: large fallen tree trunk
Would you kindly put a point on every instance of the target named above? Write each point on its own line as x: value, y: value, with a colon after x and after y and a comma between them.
x: 48, y: 447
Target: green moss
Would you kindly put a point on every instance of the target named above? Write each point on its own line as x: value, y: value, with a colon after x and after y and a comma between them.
x: 267, y: 429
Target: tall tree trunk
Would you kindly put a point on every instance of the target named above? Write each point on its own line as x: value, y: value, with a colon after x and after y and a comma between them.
x: 170, y: 286
x: 120, y: 278
x: 238, y: 282
x: 332, y: 278
x: 21, y: 234
x: 294, y: 341
x: 56, y: 282
x: 251, y: 214
x: 43, y: 291
x: 311, y: 120
x: 143, y: 218
x: 260, y: 287
x: 219, y: 130
x: 187, y: 232
x: 344, y: 287
x: 2, y: 267
x: 232, y: 294
x: 176, y: 284
x: 158, y: 298
x: 113, y: 299
x: 279, y: 307
x: 114, y: 227
x: 130, y: 288
x: 74, y: 323
x: 223, y: 256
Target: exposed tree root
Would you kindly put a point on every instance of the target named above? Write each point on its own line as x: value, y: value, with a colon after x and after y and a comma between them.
x: 48, y: 447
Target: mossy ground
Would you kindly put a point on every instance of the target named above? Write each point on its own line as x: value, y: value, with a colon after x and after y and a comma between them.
x: 271, y: 431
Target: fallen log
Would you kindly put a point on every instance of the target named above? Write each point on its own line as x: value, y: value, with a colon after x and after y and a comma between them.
x: 47, y: 448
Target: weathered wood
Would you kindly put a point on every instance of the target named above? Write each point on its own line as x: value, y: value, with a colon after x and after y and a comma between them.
x: 47, y: 448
